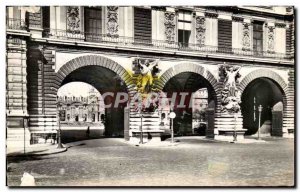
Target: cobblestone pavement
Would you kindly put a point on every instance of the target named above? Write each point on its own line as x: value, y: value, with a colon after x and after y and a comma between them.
x: 194, y: 162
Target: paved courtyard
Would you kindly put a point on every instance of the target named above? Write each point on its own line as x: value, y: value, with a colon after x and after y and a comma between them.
x: 193, y: 162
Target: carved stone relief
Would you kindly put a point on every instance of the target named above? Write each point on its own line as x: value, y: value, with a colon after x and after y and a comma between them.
x: 112, y: 21
x: 170, y: 26
x: 246, y: 37
x: 270, y: 47
x: 200, y: 30
x: 73, y: 21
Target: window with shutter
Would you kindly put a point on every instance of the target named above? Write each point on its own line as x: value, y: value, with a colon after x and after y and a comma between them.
x: 224, y: 36
x: 93, y: 23
x: 257, y: 38
x: 142, y: 25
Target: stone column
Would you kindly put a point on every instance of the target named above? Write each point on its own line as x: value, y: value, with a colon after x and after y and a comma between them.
x: 237, y: 33
x: 158, y: 24
x: 280, y: 38
x: 170, y: 26
x: 269, y: 38
x: 289, y: 111
x: 16, y: 92
x: 211, y: 32
x: 112, y: 25
x: 199, y: 29
x: 42, y: 89
x: 247, y: 36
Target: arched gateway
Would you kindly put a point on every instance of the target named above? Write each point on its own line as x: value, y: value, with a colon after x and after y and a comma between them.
x: 200, y: 86
x: 108, y: 77
x: 268, y: 89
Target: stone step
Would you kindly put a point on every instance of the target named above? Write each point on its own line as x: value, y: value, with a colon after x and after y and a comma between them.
x: 150, y: 127
x: 144, y: 116
x: 144, y: 119
x: 143, y: 124
x: 229, y: 123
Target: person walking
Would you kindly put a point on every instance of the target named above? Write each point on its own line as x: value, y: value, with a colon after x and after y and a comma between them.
x: 88, y: 131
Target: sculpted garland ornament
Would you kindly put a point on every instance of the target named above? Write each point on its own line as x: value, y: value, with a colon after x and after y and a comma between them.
x: 73, y: 20
x: 170, y: 26
x: 271, y: 39
x: 200, y: 30
x: 246, y: 37
x: 112, y: 21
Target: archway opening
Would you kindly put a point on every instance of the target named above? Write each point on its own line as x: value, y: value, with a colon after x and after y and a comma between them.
x: 194, y: 94
x: 112, y: 91
x: 80, y: 112
x: 267, y: 93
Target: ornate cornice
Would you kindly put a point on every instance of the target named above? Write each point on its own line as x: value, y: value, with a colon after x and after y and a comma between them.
x: 237, y: 19
x: 211, y: 15
x: 280, y: 25
x: 158, y: 8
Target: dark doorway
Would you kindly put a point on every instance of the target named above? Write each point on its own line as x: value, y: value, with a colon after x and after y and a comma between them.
x: 264, y: 92
x: 190, y: 83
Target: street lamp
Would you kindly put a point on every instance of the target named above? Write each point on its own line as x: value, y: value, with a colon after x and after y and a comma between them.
x: 59, y: 144
x: 234, y: 133
x: 172, y: 115
x: 259, y: 117
x: 141, y: 128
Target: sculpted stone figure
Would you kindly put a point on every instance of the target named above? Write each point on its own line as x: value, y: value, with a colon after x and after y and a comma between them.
x: 230, y: 80
x: 145, y: 79
x: 231, y: 97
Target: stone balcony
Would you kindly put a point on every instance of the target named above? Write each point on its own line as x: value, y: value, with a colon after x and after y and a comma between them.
x: 161, y: 46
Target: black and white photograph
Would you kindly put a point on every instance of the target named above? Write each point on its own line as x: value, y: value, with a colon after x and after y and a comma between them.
x: 150, y: 96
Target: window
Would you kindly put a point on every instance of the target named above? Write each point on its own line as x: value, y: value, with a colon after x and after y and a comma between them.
x: 184, y: 28
x: 257, y: 37
x: 46, y: 17
x: 93, y: 23
x: 224, y: 36
x: 142, y: 25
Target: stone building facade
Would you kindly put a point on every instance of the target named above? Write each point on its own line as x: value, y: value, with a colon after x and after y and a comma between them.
x: 243, y: 56
x: 81, y: 109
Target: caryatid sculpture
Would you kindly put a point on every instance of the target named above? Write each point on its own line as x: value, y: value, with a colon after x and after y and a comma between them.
x: 231, y: 97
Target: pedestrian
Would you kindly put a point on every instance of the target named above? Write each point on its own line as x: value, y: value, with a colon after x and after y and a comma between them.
x: 88, y: 131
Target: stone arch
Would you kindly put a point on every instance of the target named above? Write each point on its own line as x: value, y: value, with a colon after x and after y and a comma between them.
x: 206, y: 74
x: 286, y: 97
x: 267, y: 74
x: 194, y: 68
x: 187, y: 67
x: 95, y: 60
x: 262, y: 73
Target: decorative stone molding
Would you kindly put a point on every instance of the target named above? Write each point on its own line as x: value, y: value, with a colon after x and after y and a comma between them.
x: 112, y: 21
x: 280, y: 25
x: 246, y: 37
x: 200, y: 30
x: 237, y: 19
x: 211, y: 15
x: 73, y: 21
x: 230, y: 95
x: 158, y: 8
x: 270, y: 48
x: 170, y: 26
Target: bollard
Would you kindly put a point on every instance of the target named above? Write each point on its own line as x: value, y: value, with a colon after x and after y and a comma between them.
x: 27, y: 180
